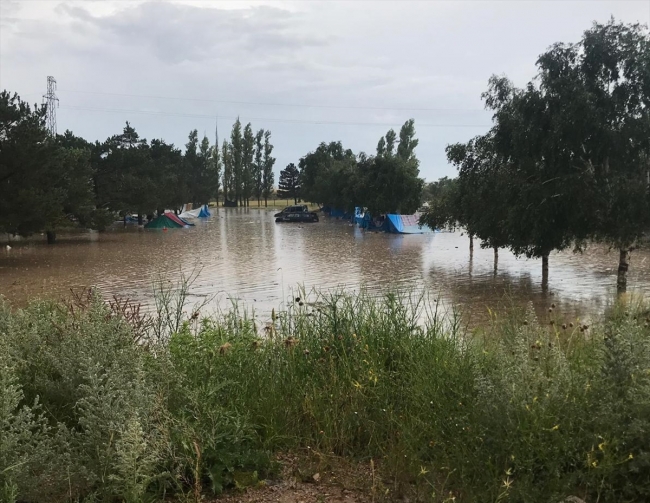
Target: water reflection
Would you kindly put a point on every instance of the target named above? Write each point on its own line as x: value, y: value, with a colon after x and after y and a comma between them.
x: 243, y: 255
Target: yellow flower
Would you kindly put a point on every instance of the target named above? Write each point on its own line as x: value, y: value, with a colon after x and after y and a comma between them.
x: 534, y: 399
x: 357, y: 384
x: 512, y: 456
x: 507, y: 483
x: 594, y: 464
x: 509, y: 471
x: 556, y: 427
x: 602, y: 445
x: 630, y: 456
x: 423, y: 470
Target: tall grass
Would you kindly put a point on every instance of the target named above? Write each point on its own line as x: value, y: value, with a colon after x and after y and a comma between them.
x: 519, y: 410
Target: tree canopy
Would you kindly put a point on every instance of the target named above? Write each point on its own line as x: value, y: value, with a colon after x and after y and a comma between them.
x: 567, y: 158
x: 387, y: 182
x: 48, y: 183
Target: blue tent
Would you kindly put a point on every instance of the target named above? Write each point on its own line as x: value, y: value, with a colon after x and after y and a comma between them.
x: 405, y: 224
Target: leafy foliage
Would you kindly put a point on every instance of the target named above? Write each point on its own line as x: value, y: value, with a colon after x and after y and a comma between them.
x: 519, y: 409
x: 289, y: 184
x: 385, y: 183
x: 568, y: 157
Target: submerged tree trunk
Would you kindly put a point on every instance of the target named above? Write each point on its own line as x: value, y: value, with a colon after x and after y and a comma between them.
x: 51, y: 237
x: 266, y: 202
x: 623, y: 265
x: 496, y: 259
x: 471, y: 244
x: 545, y: 272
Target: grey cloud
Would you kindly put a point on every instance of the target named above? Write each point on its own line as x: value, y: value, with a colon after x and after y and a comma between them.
x: 177, y: 33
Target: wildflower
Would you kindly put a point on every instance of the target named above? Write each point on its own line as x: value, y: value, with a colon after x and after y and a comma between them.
x: 507, y: 483
x: 357, y: 385
x: 602, y: 445
x: 512, y: 457
x: 509, y: 471
x: 556, y: 427
x: 354, y: 336
x: 534, y: 399
x: 594, y: 463
x: 423, y: 470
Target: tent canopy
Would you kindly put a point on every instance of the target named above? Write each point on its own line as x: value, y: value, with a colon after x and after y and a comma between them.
x: 406, y: 224
x: 164, y: 221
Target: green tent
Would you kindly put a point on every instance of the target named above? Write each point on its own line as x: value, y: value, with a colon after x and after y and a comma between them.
x: 161, y: 222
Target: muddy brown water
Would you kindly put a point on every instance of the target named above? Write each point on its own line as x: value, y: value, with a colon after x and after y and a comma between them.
x: 244, y: 256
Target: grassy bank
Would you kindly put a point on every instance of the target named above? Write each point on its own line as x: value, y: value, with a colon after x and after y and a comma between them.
x: 100, y: 403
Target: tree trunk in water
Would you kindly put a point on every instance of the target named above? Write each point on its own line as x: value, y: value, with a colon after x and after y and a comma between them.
x: 471, y: 244
x: 545, y: 272
x: 124, y: 220
x: 623, y: 265
x: 266, y: 202
x: 496, y: 259
x: 51, y: 237
x: 140, y: 219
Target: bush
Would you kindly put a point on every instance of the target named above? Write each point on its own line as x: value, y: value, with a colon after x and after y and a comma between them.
x: 518, y: 410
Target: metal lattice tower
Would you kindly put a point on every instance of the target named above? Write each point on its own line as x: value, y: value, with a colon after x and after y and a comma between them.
x: 51, y: 102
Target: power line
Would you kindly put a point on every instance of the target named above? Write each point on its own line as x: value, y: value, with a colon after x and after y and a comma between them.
x: 268, y: 119
x: 297, y: 105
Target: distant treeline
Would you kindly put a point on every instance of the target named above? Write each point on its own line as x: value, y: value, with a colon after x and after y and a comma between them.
x: 386, y: 182
x: 567, y: 160
x: 47, y: 183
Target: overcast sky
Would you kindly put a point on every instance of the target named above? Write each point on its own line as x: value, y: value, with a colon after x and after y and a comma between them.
x: 309, y: 71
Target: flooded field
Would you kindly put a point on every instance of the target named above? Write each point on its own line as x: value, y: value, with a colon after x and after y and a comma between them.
x: 244, y: 256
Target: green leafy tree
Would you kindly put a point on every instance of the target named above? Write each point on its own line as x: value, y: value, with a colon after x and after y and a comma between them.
x: 268, y: 177
x: 407, y: 142
x: 237, y: 160
x: 248, y: 169
x: 228, y: 174
x: 289, y: 184
x: 43, y: 185
x: 258, y: 167
x: 318, y: 168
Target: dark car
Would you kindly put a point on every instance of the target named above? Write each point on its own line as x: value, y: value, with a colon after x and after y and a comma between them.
x: 298, y: 213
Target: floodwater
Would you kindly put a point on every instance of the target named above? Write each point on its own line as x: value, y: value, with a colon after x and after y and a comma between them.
x: 243, y: 255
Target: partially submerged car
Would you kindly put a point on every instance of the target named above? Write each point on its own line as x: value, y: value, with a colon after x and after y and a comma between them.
x: 298, y: 213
